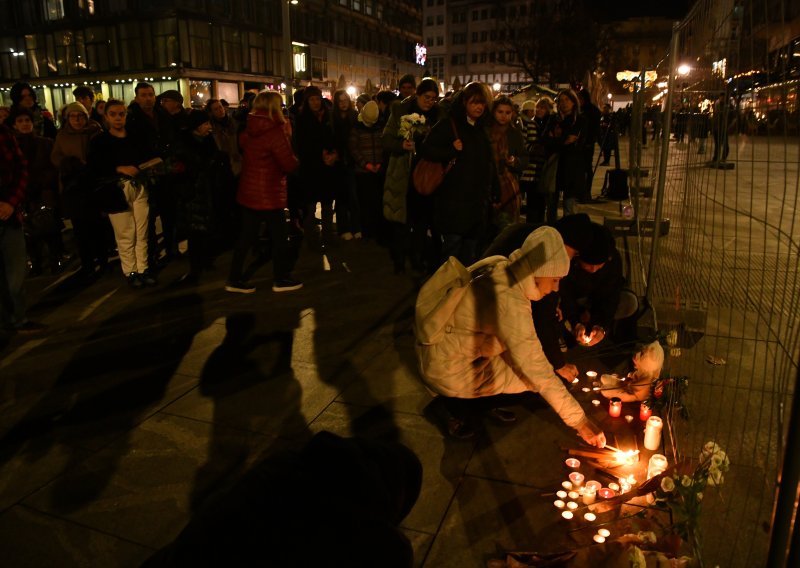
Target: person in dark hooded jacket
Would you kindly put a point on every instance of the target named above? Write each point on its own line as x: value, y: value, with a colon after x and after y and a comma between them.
x: 267, y: 158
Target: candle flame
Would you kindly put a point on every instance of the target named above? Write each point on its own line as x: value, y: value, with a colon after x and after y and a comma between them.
x: 626, y: 458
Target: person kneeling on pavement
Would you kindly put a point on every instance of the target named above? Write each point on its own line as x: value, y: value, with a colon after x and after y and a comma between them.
x: 489, y: 344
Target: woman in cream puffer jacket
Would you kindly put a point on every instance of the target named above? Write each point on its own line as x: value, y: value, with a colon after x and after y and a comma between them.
x: 491, y: 346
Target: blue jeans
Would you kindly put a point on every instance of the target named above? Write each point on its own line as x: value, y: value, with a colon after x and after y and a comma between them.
x: 13, y: 268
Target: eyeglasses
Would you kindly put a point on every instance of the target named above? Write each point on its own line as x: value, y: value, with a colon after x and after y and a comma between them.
x: 429, y: 98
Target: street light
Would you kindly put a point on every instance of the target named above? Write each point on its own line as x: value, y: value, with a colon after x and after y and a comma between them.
x: 684, y: 69
x: 287, y: 47
x: 496, y: 87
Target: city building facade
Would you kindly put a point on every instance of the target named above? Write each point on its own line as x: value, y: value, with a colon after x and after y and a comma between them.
x: 204, y: 48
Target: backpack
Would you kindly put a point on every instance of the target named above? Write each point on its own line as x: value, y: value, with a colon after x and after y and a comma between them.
x: 615, y: 185
x: 439, y: 297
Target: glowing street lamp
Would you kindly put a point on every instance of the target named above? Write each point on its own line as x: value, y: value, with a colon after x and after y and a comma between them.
x: 684, y: 69
x: 496, y: 87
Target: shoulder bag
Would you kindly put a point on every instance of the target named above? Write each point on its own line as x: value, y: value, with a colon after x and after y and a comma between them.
x: 428, y: 174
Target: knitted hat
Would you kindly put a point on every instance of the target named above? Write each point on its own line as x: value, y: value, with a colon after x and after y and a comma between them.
x: 75, y: 107
x: 363, y: 99
x: 529, y: 105
x: 542, y: 254
x: 576, y: 230
x: 196, y: 118
x: 369, y: 114
x: 172, y: 95
x: 598, y: 249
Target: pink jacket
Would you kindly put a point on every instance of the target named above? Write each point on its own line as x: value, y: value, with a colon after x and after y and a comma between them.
x: 266, y: 159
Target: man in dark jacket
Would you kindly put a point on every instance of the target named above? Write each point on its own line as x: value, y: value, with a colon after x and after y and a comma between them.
x: 592, y: 119
x: 154, y: 127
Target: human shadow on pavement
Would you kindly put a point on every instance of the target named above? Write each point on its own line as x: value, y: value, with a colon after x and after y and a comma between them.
x: 118, y: 376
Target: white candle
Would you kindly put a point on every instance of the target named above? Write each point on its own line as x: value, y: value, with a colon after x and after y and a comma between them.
x: 599, y: 539
x: 559, y: 503
x: 576, y: 478
x: 591, y: 374
x: 605, y: 533
x: 573, y: 494
x: 586, y: 389
x: 572, y: 505
x: 657, y: 465
x: 576, y: 380
x: 594, y: 485
x: 567, y: 514
x: 613, y: 486
x: 572, y: 463
x: 652, y: 433
x: 590, y: 517
x: 566, y: 485
x: 589, y: 496
x: 596, y: 402
x: 561, y: 494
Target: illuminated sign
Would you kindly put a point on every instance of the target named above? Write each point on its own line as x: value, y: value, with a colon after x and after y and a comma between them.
x: 421, y: 54
x: 301, y: 57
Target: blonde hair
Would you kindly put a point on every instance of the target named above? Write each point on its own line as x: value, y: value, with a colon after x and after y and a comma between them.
x: 271, y: 102
x: 546, y: 102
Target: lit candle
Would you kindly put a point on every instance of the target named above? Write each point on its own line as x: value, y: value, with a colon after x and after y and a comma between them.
x: 591, y: 374
x: 576, y: 380
x: 572, y: 505
x: 573, y: 494
x: 561, y: 494
x: 657, y: 465
x: 590, y: 517
x: 559, y: 503
x: 586, y: 389
x: 593, y: 485
x: 605, y: 533
x: 595, y: 388
x: 652, y: 433
x: 567, y: 514
x: 644, y: 412
x: 628, y: 418
x: 615, y: 407
x: 576, y: 478
x: 599, y: 539
x: 566, y: 485
x: 613, y: 486
x: 596, y: 402
x: 606, y: 493
x: 589, y: 495
x: 572, y: 463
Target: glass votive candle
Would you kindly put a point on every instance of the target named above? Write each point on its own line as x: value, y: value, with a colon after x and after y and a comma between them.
x: 591, y: 374
x: 605, y: 533
x: 561, y: 494
x: 559, y: 503
x: 599, y: 539
x: 645, y: 412
x: 573, y: 494
x: 589, y: 496
x: 572, y: 463
x: 615, y: 407
x: 590, y: 517
x: 606, y: 493
x: 613, y: 486
x: 586, y: 389
x: 576, y: 478
x: 567, y: 514
x: 657, y: 464
x: 566, y: 485
x: 572, y: 505
x: 593, y: 485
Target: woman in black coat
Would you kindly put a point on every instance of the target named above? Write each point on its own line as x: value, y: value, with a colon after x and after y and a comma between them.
x: 566, y: 138
x: 462, y: 201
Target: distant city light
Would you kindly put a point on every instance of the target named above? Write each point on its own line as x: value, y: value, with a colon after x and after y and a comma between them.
x: 684, y: 69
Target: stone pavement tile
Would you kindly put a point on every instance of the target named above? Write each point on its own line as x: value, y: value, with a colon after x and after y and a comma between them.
x: 391, y: 379
x: 144, y: 488
x: 488, y: 517
x: 29, y: 466
x: 31, y: 539
x: 421, y: 542
x: 514, y: 453
x: 443, y: 461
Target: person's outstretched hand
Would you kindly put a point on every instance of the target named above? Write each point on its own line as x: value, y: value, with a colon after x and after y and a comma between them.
x: 568, y: 372
x: 592, y: 434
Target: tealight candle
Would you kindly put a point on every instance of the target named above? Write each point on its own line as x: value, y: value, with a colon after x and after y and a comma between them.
x: 586, y: 389
x: 613, y: 486
x: 595, y: 388
x: 591, y: 374
x: 599, y: 539
x: 596, y: 402
x: 566, y: 485
x: 644, y: 412
x: 559, y: 503
x: 590, y: 517
x: 605, y: 533
x: 593, y: 485
x: 628, y: 418
x: 567, y: 514
x: 572, y: 505
x: 575, y: 380
x: 657, y: 465
x: 615, y: 407
x: 573, y: 463
x: 589, y: 496
x: 607, y: 492
x: 652, y: 433
x: 561, y: 494
x: 576, y: 478
x: 573, y: 494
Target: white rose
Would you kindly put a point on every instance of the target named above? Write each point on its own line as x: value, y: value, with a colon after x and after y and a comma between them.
x: 686, y: 481
x: 715, y: 477
x: 667, y: 485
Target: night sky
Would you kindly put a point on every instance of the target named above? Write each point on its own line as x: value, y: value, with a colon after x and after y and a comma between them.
x: 620, y: 9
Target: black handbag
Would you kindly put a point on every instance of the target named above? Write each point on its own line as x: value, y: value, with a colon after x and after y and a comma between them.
x: 109, y: 196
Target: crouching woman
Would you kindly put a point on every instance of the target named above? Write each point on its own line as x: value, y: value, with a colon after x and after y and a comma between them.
x: 489, y: 345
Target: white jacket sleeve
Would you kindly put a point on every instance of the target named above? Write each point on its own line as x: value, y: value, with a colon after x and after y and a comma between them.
x: 525, y: 356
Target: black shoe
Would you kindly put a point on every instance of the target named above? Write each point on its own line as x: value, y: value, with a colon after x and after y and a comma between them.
x: 135, y: 281
x: 148, y: 278
x: 239, y: 288
x: 502, y: 415
x: 448, y: 424
x: 286, y: 285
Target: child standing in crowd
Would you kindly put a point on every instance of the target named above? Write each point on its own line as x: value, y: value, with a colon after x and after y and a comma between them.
x: 114, y: 157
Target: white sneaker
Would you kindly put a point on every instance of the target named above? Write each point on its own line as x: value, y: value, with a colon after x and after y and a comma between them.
x: 348, y: 236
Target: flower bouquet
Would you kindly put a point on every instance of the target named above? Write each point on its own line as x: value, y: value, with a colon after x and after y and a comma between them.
x: 411, y: 125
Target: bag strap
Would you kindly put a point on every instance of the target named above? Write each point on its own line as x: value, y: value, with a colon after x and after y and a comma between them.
x: 452, y: 162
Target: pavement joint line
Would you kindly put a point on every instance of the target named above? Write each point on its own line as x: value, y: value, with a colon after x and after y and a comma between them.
x: 221, y: 423
x: 85, y: 526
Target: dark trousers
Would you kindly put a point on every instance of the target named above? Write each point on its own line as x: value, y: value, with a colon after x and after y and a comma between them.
x: 467, y: 408
x: 163, y: 204
x: 369, y: 188
x: 275, y: 221
x: 90, y: 237
x: 588, y: 165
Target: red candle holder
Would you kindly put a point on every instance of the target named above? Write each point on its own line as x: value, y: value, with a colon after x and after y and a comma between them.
x: 615, y: 407
x: 645, y: 412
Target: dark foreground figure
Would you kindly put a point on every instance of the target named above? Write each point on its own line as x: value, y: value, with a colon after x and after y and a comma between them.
x: 336, y: 503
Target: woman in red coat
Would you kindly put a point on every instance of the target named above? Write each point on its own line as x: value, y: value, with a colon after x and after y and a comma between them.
x: 266, y: 159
